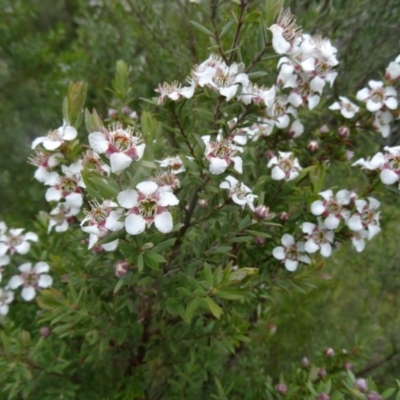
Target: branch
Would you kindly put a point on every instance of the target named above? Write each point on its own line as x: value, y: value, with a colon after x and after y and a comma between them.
x: 213, y: 18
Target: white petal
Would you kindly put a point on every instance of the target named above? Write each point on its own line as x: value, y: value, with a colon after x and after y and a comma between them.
x: 343, y: 196
x: 332, y: 222
x: 128, y: 198
x: 229, y: 92
x: 112, y: 246
x: 4, y: 309
x: 279, y: 253
x: 68, y: 132
x: 355, y: 223
x: 45, y: 281
x: 287, y: 240
x: 311, y: 246
x: 291, y: 265
x: 238, y: 164
x: 147, y: 187
x: 374, y: 106
x: 31, y: 236
x: 391, y: 103
x: 317, y: 207
x: 218, y: 165
x: 4, y: 260
x: 41, y: 267
x: 119, y: 161
x: 295, y: 99
x: 74, y: 200
x: 277, y: 174
x: 98, y: 142
x: 363, y: 94
x: 359, y: 244
x: 326, y: 249
x: 113, y: 223
x: 26, y: 267
x: 373, y: 230
x: 15, y: 282
x: 135, y: 224
x: 28, y: 293
x: 163, y: 222
x: 313, y: 101
x: 38, y: 141
x: 308, y: 227
x: 23, y: 248
x: 52, y: 144
x: 53, y: 194
x: 388, y: 177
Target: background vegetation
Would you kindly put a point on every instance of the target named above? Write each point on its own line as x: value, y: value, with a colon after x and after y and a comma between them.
x: 46, y: 43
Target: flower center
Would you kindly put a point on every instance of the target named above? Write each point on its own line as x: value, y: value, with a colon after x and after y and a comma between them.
x: 239, y: 191
x: 30, y: 279
x: 378, y: 95
x: 54, y: 136
x: 121, y: 140
x: 318, y: 237
x: 394, y: 162
x: 286, y: 164
x: 68, y: 184
x: 148, y: 207
x: 367, y: 216
x: 333, y: 207
x: 224, y: 149
x: 39, y: 160
x: 292, y: 253
x: 15, y: 241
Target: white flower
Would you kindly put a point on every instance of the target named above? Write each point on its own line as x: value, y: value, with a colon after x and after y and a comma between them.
x: 56, y: 138
x: 257, y: 94
x: 286, y: 34
x: 120, y: 145
x: 296, y: 129
x: 32, y: 279
x: 346, y: 107
x: 318, y: 238
x: 14, y: 241
x: 221, y: 153
x: 174, y: 164
x: 358, y: 239
x: 393, y: 70
x: 381, y: 122
x: 45, y: 162
x: 147, y: 205
x: 378, y: 96
x: 366, y: 217
x: 332, y: 208
x: 291, y: 253
x: 240, y: 193
x: 174, y: 91
x: 61, y: 216
x: 100, y: 220
x: 6, y: 297
x: 93, y: 160
x: 286, y: 166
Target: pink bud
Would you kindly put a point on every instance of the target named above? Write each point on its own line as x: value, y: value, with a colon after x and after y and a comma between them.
x: 348, y: 366
x: 272, y: 328
x: 322, y: 372
x: 121, y: 268
x: 344, y: 131
x: 323, y: 396
x: 126, y: 110
x: 45, y: 331
x: 202, y: 203
x: 269, y: 154
x: 65, y: 278
x: 281, y: 388
x: 324, y: 129
x: 283, y: 216
x: 329, y: 352
x: 112, y: 112
x: 259, y: 240
x: 374, y: 396
x: 262, y: 212
x: 134, y: 115
x: 349, y: 155
x: 313, y: 145
x: 362, y: 384
x: 305, y: 362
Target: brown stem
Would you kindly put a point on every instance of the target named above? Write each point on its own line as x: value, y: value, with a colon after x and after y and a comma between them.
x: 213, y: 17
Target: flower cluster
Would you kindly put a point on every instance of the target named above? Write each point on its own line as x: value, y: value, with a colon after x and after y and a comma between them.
x: 16, y: 242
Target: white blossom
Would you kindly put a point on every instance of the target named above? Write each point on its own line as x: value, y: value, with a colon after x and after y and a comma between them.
x: 15, y: 241
x: 366, y: 217
x: 291, y: 253
x: 32, y: 279
x: 240, y: 193
x: 378, y: 96
x: 6, y: 297
x: 56, y: 138
x: 286, y: 166
x: 346, y: 107
x: 318, y: 237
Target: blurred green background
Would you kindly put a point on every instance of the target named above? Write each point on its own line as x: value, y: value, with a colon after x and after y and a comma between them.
x: 46, y: 43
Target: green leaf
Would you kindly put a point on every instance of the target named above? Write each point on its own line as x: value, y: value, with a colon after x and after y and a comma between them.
x: 257, y: 74
x: 215, y: 309
x: 140, y: 263
x: 208, y: 274
x: 118, y: 286
x: 387, y: 393
x: 149, y: 126
x: 201, y: 28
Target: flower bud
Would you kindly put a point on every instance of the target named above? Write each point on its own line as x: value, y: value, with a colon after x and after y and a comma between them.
x: 324, y: 129
x: 283, y: 216
x: 281, y: 388
x: 202, y: 203
x: 121, y: 268
x: 322, y: 372
x: 313, y: 146
x: 323, y: 396
x: 272, y: 328
x: 262, y: 212
x: 362, y: 384
x: 65, y: 278
x: 126, y: 110
x: 259, y: 241
x: 269, y: 154
x: 112, y: 113
x: 329, y: 352
x: 344, y: 131
x: 349, y: 155
x: 374, y: 396
x: 45, y: 331
x: 305, y: 362
x: 134, y: 115
x: 348, y: 366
